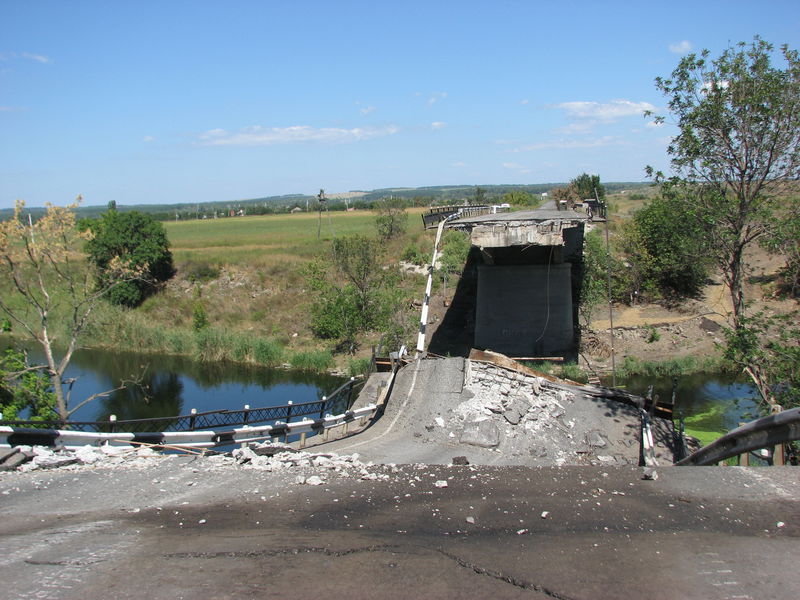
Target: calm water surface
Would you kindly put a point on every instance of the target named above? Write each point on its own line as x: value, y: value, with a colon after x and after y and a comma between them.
x: 699, y: 392
x: 173, y: 385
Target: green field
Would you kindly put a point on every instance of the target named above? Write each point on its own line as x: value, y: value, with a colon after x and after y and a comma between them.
x: 248, y: 275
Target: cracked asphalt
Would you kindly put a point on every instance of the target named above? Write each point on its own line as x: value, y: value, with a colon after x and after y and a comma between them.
x: 181, y: 529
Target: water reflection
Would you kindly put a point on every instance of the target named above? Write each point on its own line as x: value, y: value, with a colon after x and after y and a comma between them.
x: 171, y: 385
x: 698, y: 393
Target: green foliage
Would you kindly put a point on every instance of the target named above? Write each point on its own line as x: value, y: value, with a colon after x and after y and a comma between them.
x: 654, y: 335
x: 594, y: 285
x: 135, y: 239
x: 455, y: 248
x: 200, y: 271
x: 737, y: 149
x: 312, y: 360
x: 736, y: 153
x: 680, y: 365
x: 479, y: 196
x: 666, y: 250
x: 520, y: 198
x: 199, y: 316
x: 585, y: 186
x: 573, y: 372
x: 359, y: 366
x: 267, y: 352
x: 392, y: 219
x: 355, y: 295
x: 767, y: 348
x: 412, y: 254
x: 22, y: 388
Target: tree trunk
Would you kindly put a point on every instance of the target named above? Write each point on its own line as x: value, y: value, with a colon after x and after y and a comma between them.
x: 55, y: 376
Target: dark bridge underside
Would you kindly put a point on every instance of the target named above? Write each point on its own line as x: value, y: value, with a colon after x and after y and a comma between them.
x: 520, y: 300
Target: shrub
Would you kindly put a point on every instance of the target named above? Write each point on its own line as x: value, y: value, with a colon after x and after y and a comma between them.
x: 137, y: 240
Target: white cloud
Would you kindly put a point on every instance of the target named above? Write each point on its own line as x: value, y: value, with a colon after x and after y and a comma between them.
x: 148, y: 138
x: 257, y: 135
x: 524, y: 102
x: 608, y: 111
x: 681, y: 47
x: 438, y: 125
x: 654, y: 124
x: 6, y: 108
x: 41, y: 58
x: 566, y: 144
x: 458, y: 164
x: 436, y: 96
x: 367, y: 109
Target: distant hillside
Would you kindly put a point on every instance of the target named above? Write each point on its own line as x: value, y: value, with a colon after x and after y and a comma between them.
x: 362, y: 199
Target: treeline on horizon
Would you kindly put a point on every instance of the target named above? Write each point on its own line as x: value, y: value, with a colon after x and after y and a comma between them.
x: 420, y: 196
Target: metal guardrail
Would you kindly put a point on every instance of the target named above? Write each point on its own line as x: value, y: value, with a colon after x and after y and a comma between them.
x: 440, y: 213
x: 54, y: 438
x: 767, y: 432
x: 339, y: 400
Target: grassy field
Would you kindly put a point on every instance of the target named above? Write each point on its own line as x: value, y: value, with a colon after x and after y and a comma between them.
x: 248, y: 274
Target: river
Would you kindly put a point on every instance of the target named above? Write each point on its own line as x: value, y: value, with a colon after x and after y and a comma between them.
x: 173, y: 385
x: 727, y: 397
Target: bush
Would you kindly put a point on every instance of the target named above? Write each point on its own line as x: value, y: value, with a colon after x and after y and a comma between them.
x: 200, y: 271
x: 267, y: 352
x: 138, y: 241
x: 412, y: 254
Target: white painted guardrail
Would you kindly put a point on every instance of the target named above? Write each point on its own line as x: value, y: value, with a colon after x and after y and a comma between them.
x: 59, y: 438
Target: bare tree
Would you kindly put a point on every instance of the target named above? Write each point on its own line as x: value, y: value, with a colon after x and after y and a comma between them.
x: 52, y: 289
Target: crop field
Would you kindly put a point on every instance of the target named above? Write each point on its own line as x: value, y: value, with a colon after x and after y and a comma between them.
x: 269, y: 239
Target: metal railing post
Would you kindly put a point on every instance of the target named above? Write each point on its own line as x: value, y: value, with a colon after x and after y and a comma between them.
x: 192, y: 419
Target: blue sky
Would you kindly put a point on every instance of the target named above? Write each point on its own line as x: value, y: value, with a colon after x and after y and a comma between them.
x: 161, y: 102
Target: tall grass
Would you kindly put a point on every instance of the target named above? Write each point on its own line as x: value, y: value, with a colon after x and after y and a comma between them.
x: 313, y: 360
x: 681, y: 365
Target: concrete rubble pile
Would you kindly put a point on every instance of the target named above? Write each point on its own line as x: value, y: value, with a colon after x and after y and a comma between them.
x: 517, y: 414
x: 31, y: 458
x: 273, y: 457
x: 309, y: 468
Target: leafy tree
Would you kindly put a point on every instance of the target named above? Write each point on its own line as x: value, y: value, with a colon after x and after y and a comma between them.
x: 586, y: 184
x: 391, y: 219
x: 766, y: 347
x: 480, y: 196
x: 737, y: 150
x: 353, y: 291
x: 24, y: 388
x: 52, y: 296
x: 135, y: 239
x: 455, y: 249
x: 519, y: 198
x: 668, y: 252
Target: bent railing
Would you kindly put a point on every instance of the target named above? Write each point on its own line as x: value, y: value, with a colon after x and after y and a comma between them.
x: 767, y: 432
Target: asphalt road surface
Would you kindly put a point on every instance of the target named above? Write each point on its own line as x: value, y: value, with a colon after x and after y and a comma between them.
x: 181, y: 529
